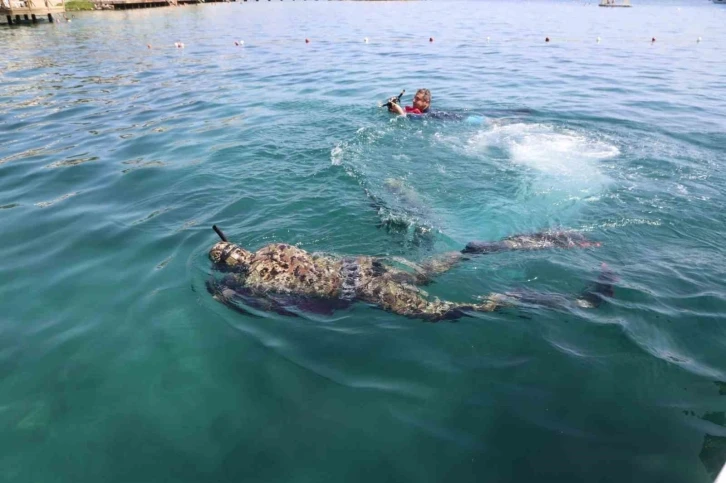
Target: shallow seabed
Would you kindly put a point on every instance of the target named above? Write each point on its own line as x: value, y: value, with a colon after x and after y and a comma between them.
x: 115, y: 159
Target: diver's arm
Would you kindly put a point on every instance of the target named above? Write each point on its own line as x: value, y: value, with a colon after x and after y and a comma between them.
x: 396, y: 109
x: 425, y: 271
x: 439, y: 264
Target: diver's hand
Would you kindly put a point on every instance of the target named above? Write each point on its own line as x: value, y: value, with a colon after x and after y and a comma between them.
x: 395, y: 108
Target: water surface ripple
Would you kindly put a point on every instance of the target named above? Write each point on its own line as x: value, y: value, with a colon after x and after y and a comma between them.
x: 115, y: 160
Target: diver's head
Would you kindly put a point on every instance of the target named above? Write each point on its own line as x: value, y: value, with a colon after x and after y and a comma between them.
x: 422, y: 100
x: 229, y: 257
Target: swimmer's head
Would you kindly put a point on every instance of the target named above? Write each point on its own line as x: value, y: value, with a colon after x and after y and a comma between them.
x: 229, y: 257
x: 422, y: 99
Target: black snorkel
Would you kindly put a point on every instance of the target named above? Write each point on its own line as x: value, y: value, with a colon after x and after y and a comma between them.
x: 394, y: 100
x: 219, y: 232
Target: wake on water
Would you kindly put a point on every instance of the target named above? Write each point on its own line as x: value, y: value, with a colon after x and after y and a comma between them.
x: 553, y: 170
x: 548, y: 153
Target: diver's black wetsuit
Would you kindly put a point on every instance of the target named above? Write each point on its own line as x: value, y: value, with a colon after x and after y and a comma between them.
x: 440, y: 115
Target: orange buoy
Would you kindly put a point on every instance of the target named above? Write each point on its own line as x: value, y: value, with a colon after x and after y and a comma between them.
x: 148, y: 46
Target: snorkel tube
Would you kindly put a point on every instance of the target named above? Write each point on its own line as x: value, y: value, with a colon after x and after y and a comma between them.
x: 394, y: 100
x: 219, y: 232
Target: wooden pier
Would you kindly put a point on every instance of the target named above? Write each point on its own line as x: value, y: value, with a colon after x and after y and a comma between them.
x: 190, y: 2
x: 30, y: 11
x: 129, y: 4
x: 133, y: 4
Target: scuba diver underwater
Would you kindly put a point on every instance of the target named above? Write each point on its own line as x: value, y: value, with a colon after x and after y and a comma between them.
x: 285, y: 279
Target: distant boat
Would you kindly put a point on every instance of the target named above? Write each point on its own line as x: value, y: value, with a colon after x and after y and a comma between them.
x: 720, y: 1
x: 626, y: 3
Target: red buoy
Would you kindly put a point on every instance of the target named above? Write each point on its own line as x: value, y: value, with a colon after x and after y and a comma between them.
x: 431, y: 39
x: 653, y: 39
x: 547, y: 39
x: 307, y: 41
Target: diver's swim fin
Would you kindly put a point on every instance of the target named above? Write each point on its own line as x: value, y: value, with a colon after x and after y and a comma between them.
x: 594, y: 295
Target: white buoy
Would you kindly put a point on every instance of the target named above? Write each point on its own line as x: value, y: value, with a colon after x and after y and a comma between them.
x: 365, y: 40
x: 698, y: 40
x: 598, y: 40
x: 488, y: 39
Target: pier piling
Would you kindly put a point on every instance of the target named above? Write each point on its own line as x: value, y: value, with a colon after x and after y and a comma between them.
x: 30, y: 12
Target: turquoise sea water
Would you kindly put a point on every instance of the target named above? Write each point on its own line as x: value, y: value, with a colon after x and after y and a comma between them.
x: 116, y: 365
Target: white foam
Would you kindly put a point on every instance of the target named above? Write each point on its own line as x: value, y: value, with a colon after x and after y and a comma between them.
x: 346, y: 151
x: 546, y: 149
x: 336, y: 155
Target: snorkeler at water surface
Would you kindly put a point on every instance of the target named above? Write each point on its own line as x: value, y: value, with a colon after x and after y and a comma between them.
x: 282, y: 278
x: 421, y: 104
x: 421, y: 109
